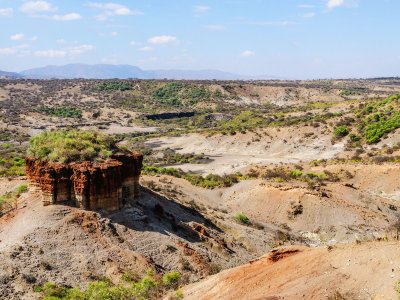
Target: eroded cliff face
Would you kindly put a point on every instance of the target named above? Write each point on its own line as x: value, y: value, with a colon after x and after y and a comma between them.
x: 108, y: 185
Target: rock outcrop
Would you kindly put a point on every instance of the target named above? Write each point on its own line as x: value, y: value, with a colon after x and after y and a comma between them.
x: 107, y: 185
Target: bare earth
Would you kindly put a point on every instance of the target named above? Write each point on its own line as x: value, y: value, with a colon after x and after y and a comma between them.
x: 234, y: 153
x: 367, y: 271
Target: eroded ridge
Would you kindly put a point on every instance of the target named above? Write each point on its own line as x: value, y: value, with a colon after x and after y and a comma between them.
x: 107, y: 185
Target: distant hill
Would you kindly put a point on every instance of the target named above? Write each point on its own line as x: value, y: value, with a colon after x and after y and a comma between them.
x: 197, y: 75
x: 87, y: 72
x: 9, y: 75
x: 105, y: 71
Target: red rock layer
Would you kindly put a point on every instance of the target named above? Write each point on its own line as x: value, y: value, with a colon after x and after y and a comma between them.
x: 89, y: 185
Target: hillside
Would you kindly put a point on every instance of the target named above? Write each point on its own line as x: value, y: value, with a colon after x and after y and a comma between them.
x: 232, y: 171
x: 366, y: 271
x: 9, y: 75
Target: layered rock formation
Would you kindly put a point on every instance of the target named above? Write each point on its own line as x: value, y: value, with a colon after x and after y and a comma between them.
x: 107, y: 185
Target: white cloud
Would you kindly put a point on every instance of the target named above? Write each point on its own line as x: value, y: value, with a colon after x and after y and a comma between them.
x: 201, y: 9
x: 41, y: 9
x: 80, y: 49
x: 17, y: 37
x: 71, y: 51
x: 248, y: 53
x: 35, y: 7
x: 7, y: 51
x: 113, y: 9
x: 162, y: 39
x: 20, y: 49
x: 114, y: 33
x: 334, y: 3
x: 51, y: 53
x: 134, y: 43
x: 146, y: 49
x: 6, y: 12
x: 308, y: 15
x: 67, y: 17
x: 214, y: 27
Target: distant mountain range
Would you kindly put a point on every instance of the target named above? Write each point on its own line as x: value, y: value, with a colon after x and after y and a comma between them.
x: 105, y: 71
x: 11, y: 75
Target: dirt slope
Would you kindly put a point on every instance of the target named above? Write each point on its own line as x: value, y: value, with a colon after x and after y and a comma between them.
x: 368, y: 271
x: 72, y: 247
x: 363, y: 207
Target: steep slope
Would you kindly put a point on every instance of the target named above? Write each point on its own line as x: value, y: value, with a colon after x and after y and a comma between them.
x: 363, y: 207
x: 73, y: 247
x: 367, y: 271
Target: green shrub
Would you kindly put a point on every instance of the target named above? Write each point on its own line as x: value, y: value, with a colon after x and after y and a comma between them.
x: 169, y: 94
x: 153, y: 170
x: 64, y: 146
x: 242, y: 218
x: 321, y: 176
x: 144, y: 288
x: 210, y: 181
x: 5, y: 198
x: 380, y: 118
x: 196, y: 94
x: 52, y: 291
x: 23, y: 188
x: 61, y: 111
x: 179, y: 294
x: 244, y: 120
x: 104, y: 290
x: 8, y: 201
x: 110, y: 86
x: 11, y: 162
x: 149, y: 287
x: 171, y: 278
x: 179, y: 94
x: 354, y: 138
x: 12, y: 166
x: 383, y: 125
x: 296, y: 173
x: 341, y: 131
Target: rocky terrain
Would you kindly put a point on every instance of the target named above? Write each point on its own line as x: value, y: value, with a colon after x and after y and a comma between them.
x: 105, y: 185
x: 250, y: 190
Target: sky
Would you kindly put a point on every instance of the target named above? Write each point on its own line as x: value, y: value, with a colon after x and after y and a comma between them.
x: 294, y: 39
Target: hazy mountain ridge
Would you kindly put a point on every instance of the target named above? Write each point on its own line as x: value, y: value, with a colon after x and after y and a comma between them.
x: 106, y: 71
x: 4, y: 74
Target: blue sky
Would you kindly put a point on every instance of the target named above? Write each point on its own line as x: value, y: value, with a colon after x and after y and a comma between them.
x: 286, y: 38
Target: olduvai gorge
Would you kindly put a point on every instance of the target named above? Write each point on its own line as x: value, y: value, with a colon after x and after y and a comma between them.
x: 178, y: 189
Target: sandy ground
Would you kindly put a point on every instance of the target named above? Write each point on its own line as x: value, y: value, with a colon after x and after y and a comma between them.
x: 14, y: 230
x: 233, y: 153
x: 367, y: 271
x: 119, y: 129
